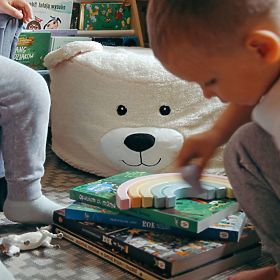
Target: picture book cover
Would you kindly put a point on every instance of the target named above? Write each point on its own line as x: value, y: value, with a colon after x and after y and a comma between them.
x: 229, y: 229
x: 32, y: 47
x: 105, y: 16
x: 146, y: 272
x: 194, y: 215
x: 168, y: 254
x: 50, y: 14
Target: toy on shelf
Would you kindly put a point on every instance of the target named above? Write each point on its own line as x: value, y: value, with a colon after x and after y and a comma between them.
x: 12, y: 244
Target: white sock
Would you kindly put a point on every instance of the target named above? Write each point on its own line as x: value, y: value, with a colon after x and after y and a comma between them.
x: 5, y: 273
x: 38, y: 211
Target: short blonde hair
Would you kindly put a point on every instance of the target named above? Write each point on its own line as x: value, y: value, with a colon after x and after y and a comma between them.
x: 207, y: 23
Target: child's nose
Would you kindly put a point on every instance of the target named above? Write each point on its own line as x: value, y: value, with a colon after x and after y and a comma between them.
x: 208, y: 93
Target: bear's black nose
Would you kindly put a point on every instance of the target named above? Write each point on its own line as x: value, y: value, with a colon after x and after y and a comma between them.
x: 139, y: 142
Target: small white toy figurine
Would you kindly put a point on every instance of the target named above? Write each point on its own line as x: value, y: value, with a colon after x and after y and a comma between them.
x: 12, y: 244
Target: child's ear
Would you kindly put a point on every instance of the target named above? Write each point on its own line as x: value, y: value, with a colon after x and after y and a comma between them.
x: 265, y: 43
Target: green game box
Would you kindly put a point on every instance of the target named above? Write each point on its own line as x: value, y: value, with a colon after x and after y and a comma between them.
x: 32, y: 47
x: 194, y: 215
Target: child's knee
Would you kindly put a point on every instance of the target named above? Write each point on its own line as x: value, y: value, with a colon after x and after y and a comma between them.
x: 240, y: 144
x: 248, y: 139
x: 34, y: 90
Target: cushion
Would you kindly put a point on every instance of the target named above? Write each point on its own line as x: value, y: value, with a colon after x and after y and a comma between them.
x: 116, y: 109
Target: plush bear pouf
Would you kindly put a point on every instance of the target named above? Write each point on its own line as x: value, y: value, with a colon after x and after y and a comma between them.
x: 117, y: 109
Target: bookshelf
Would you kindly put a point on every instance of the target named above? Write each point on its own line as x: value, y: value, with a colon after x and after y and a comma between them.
x: 56, y: 38
x: 106, y: 33
x: 134, y: 31
x: 142, y: 6
x: 135, y: 21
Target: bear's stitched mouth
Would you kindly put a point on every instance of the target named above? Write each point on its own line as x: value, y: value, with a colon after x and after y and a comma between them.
x: 142, y: 163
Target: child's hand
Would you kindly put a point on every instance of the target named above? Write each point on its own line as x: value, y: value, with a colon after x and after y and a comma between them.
x: 198, y: 149
x: 19, y: 9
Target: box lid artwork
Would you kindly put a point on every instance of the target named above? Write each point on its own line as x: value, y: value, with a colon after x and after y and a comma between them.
x: 167, y: 253
x: 32, y: 47
x: 105, y: 16
x: 50, y: 14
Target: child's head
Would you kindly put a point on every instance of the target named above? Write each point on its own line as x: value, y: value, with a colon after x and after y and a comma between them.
x: 231, y: 48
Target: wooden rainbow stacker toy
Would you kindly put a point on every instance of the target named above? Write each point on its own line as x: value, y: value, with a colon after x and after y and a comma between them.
x: 162, y: 190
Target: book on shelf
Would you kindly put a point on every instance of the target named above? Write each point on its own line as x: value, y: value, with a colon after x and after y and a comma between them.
x: 50, y: 14
x: 75, y: 18
x: 62, y: 32
x: 194, y: 215
x: 60, y: 41
x: 101, y: 15
x: 125, y: 41
x: 32, y: 47
x: 229, y: 229
x: 106, y: 33
x: 166, y: 253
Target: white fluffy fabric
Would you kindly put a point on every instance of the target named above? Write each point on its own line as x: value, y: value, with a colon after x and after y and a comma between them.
x: 117, y: 109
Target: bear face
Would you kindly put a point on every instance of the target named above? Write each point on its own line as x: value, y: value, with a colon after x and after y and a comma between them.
x: 117, y: 109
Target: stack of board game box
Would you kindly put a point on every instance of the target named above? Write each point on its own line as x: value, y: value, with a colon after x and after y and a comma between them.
x: 156, y: 227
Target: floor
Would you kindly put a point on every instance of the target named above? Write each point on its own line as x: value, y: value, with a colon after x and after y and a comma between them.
x: 70, y: 261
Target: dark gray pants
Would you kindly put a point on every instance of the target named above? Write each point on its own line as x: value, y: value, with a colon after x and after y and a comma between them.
x: 24, y: 115
x: 9, y: 31
x: 252, y: 163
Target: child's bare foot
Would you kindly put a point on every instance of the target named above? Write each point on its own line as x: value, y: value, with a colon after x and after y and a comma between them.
x: 265, y: 273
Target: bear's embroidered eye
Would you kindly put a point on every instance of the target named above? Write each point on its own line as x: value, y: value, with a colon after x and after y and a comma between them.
x: 122, y: 110
x: 164, y: 110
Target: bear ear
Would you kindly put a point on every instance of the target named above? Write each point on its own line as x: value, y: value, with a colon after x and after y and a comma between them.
x: 69, y: 51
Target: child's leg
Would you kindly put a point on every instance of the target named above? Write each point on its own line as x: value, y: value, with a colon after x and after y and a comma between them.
x: 252, y: 164
x: 24, y: 115
x: 9, y: 31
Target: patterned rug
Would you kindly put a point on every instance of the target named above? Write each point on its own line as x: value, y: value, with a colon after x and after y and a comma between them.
x: 70, y: 261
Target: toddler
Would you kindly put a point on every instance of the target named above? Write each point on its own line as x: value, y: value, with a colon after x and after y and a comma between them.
x: 232, y: 49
